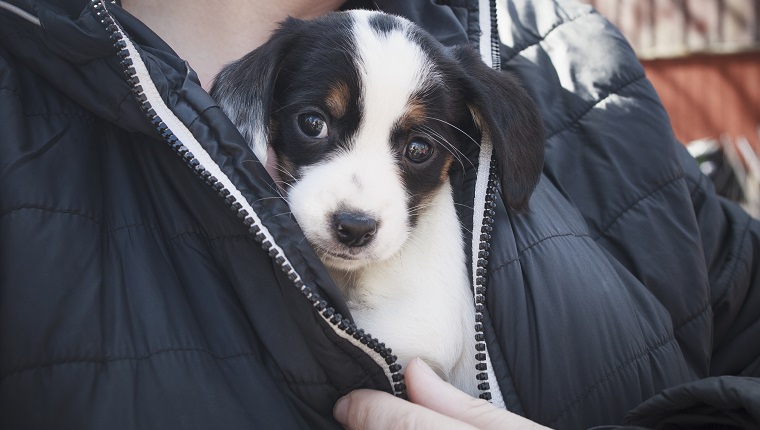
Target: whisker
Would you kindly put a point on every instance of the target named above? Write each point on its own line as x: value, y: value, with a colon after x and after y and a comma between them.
x: 281, y: 214
x: 286, y: 106
x: 301, y: 241
x: 422, y: 206
x: 458, y: 155
x: 464, y: 206
x: 451, y: 149
x: 269, y: 198
x: 455, y: 128
x: 445, y: 141
x: 285, y: 171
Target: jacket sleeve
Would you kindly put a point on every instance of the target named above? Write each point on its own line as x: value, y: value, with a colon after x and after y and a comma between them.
x: 611, y: 152
x: 731, y: 396
x: 731, y: 241
x: 717, y: 402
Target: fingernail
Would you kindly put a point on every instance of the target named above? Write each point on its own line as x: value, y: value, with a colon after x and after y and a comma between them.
x: 340, y: 410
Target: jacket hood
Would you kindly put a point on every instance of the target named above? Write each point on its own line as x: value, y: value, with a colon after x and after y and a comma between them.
x: 71, y: 49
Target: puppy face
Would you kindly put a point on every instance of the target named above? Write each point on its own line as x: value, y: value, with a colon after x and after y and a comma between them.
x: 364, y: 142
x: 365, y: 113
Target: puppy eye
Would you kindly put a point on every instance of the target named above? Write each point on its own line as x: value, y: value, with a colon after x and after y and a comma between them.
x: 313, y: 125
x: 418, y: 151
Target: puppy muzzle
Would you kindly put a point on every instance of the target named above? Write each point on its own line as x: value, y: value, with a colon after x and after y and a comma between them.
x: 354, y: 229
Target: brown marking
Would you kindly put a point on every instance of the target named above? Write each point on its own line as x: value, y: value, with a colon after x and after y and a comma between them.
x: 414, y: 116
x: 337, y: 99
x: 446, y: 167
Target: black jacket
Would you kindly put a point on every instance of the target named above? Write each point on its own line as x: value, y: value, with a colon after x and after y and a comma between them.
x: 149, y: 280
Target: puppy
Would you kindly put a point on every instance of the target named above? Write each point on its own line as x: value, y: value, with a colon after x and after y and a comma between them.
x: 366, y: 115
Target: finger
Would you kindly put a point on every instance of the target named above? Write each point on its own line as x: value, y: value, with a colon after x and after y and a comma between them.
x: 377, y: 410
x: 426, y: 389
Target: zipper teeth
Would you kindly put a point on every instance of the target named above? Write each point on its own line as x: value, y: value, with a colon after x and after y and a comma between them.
x: 484, y: 246
x: 495, y: 41
x: 481, y: 280
x: 327, y: 312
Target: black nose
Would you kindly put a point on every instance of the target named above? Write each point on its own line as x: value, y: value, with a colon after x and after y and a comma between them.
x: 354, y: 229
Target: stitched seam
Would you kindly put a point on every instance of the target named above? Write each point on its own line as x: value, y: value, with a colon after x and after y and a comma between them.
x: 624, y: 364
x: 637, y: 201
x: 14, y: 91
x: 698, y: 185
x: 16, y: 34
x: 116, y: 229
x: 519, y: 50
x: 171, y: 350
x: 699, y: 189
x: 613, y: 92
x: 735, y: 267
x: 320, y: 384
x: 306, y: 383
x: 107, y: 360
x: 536, y: 243
x: 81, y: 115
x: 177, y: 234
x: 128, y: 97
x: 677, y: 325
x: 51, y: 210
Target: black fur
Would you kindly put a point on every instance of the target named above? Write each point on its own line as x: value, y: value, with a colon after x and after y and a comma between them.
x: 287, y: 74
x: 293, y: 71
x: 509, y: 116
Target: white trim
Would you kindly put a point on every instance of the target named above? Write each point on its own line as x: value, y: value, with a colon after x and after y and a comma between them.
x: 20, y: 12
x: 484, y: 10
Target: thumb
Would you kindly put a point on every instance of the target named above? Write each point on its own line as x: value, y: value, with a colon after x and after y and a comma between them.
x: 378, y: 410
x: 426, y: 389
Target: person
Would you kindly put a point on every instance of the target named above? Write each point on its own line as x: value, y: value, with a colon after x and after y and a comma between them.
x: 150, y: 276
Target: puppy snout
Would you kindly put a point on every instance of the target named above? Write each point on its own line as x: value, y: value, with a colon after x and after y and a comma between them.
x: 354, y: 229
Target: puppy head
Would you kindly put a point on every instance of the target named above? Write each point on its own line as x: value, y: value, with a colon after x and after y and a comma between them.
x: 365, y: 114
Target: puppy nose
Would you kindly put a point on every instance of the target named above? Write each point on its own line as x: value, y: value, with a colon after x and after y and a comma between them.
x: 354, y: 229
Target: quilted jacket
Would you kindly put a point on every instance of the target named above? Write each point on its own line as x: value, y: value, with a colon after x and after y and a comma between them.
x: 149, y: 278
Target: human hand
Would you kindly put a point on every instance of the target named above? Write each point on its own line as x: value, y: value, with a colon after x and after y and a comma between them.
x: 434, y: 404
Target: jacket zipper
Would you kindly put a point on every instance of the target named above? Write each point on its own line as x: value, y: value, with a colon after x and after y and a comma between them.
x: 382, y: 354
x: 481, y: 281
x: 486, y: 228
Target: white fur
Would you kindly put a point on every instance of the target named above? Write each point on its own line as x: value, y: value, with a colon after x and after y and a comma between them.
x: 363, y: 179
x: 409, y: 286
x: 419, y: 302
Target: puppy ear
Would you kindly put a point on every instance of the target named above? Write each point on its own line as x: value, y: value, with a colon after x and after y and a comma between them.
x: 244, y: 89
x: 508, y: 116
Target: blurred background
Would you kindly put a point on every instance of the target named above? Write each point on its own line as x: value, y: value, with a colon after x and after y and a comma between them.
x: 703, y: 57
